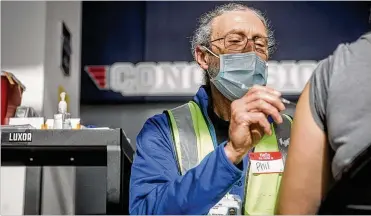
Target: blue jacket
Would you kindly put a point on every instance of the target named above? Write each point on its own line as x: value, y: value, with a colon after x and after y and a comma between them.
x: 156, y: 187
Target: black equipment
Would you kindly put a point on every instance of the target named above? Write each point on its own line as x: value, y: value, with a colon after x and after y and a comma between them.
x: 351, y: 195
x: 106, y: 149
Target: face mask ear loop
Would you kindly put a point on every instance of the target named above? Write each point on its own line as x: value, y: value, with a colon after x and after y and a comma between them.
x: 212, y: 53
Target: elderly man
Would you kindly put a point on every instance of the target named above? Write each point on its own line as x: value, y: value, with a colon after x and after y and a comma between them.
x: 217, y: 154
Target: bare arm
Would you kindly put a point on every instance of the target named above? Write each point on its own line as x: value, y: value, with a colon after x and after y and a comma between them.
x: 307, y: 169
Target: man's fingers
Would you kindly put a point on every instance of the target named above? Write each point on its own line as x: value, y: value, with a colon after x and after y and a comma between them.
x: 256, y: 118
x: 265, y: 96
x: 257, y: 133
x: 266, y: 108
x: 258, y: 88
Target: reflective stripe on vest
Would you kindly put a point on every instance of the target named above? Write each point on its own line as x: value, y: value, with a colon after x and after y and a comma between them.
x: 191, y: 135
x: 193, y: 142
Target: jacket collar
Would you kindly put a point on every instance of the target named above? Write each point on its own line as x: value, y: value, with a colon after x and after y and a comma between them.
x: 203, y: 98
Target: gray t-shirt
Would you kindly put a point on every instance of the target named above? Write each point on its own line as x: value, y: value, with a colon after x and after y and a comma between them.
x: 340, y: 100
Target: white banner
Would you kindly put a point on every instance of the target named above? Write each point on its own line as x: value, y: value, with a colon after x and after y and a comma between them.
x: 184, y: 78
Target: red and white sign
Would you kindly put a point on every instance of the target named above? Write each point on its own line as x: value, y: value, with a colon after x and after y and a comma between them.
x: 184, y: 78
x: 266, y: 162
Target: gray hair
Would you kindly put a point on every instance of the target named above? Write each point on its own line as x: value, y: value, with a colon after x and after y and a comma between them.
x: 203, y: 32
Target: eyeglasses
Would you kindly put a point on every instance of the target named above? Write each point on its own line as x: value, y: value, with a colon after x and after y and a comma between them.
x: 237, y: 42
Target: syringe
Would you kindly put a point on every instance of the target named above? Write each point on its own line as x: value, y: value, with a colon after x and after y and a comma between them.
x: 285, y: 101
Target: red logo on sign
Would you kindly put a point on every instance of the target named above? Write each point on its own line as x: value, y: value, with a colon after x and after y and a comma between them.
x: 99, y: 76
x: 265, y: 156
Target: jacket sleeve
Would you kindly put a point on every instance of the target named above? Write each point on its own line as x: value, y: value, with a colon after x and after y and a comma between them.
x: 156, y: 187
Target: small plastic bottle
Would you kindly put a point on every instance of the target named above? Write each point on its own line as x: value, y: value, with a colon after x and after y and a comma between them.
x: 62, y: 106
x: 62, y: 109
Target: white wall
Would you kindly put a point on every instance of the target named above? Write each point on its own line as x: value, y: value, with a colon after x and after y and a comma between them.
x: 129, y: 117
x: 23, y: 45
x: 70, y: 13
x: 31, y: 49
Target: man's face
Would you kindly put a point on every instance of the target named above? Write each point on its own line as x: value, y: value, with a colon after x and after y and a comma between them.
x: 236, y: 23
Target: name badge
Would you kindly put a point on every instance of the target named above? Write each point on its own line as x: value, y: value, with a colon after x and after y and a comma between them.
x: 228, y: 205
x: 266, y: 162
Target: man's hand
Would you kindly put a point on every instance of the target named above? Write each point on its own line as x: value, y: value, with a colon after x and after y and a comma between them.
x: 249, y: 120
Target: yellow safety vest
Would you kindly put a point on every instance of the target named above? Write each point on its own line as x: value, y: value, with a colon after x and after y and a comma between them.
x: 193, y: 142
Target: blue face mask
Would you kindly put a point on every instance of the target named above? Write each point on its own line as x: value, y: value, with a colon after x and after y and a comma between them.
x: 238, y: 72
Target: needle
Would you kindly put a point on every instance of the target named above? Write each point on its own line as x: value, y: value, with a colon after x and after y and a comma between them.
x: 285, y: 101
